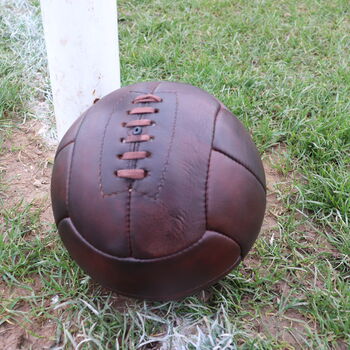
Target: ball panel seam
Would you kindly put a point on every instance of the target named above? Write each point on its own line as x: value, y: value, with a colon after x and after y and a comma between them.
x: 103, y: 194
x: 208, y: 168
x: 128, y: 222
x: 186, y: 292
x: 241, y: 164
x: 69, y: 166
x: 74, y: 136
x: 69, y: 178
x: 177, y: 295
x: 63, y: 147
x: 166, y: 163
x: 131, y: 259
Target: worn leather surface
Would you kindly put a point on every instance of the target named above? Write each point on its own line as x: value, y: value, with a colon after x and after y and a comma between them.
x: 188, y: 222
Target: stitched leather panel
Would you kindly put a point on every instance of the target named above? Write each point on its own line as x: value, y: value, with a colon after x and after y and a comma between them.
x: 159, y: 148
x: 100, y: 218
x: 161, y: 279
x: 70, y: 135
x: 236, y: 201
x: 232, y: 138
x: 185, y: 121
x: 59, y: 182
x: 173, y: 217
x: 193, y: 216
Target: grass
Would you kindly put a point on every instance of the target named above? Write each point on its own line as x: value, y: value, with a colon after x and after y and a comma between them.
x: 12, y: 90
x: 23, y: 63
x: 283, y: 68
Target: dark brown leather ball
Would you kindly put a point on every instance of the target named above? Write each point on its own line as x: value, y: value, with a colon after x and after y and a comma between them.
x: 158, y: 191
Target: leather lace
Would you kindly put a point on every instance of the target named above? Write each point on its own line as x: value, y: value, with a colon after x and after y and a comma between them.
x: 138, y: 136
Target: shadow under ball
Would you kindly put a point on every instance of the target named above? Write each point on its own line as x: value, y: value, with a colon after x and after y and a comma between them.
x: 158, y: 190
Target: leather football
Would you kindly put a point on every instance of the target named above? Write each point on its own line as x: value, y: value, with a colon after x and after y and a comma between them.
x: 158, y: 190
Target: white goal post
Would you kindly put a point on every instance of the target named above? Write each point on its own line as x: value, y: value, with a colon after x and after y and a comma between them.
x: 83, y: 54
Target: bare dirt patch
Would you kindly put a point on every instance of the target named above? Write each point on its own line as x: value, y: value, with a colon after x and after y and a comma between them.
x: 25, y: 167
x: 290, y: 327
x: 17, y: 331
x: 276, y: 183
x: 274, y: 206
x: 28, y: 336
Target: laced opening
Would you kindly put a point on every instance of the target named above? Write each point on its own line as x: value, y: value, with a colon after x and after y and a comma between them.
x: 138, y: 122
x: 143, y: 110
x: 134, y: 174
x: 147, y: 98
x: 136, y: 138
x: 134, y: 155
x: 138, y: 174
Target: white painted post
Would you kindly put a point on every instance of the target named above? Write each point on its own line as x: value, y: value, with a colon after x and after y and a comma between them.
x: 83, y: 54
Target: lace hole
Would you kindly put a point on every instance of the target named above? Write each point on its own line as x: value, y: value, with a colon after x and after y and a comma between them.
x: 122, y: 140
x: 137, y: 130
x: 148, y: 154
x: 123, y: 124
x: 120, y: 156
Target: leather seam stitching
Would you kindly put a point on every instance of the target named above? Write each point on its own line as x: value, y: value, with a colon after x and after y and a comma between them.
x: 63, y: 147
x: 59, y: 149
x: 208, y: 167
x: 136, y: 146
x: 128, y: 222
x: 104, y: 195
x: 178, y: 253
x: 162, y: 177
x: 190, y: 290
x: 156, y: 87
x: 70, y: 164
x: 101, y: 153
x: 242, y: 164
x: 166, y: 163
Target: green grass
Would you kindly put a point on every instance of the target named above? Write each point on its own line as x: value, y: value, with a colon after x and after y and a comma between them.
x: 12, y: 89
x: 283, y: 68
x: 21, y: 61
